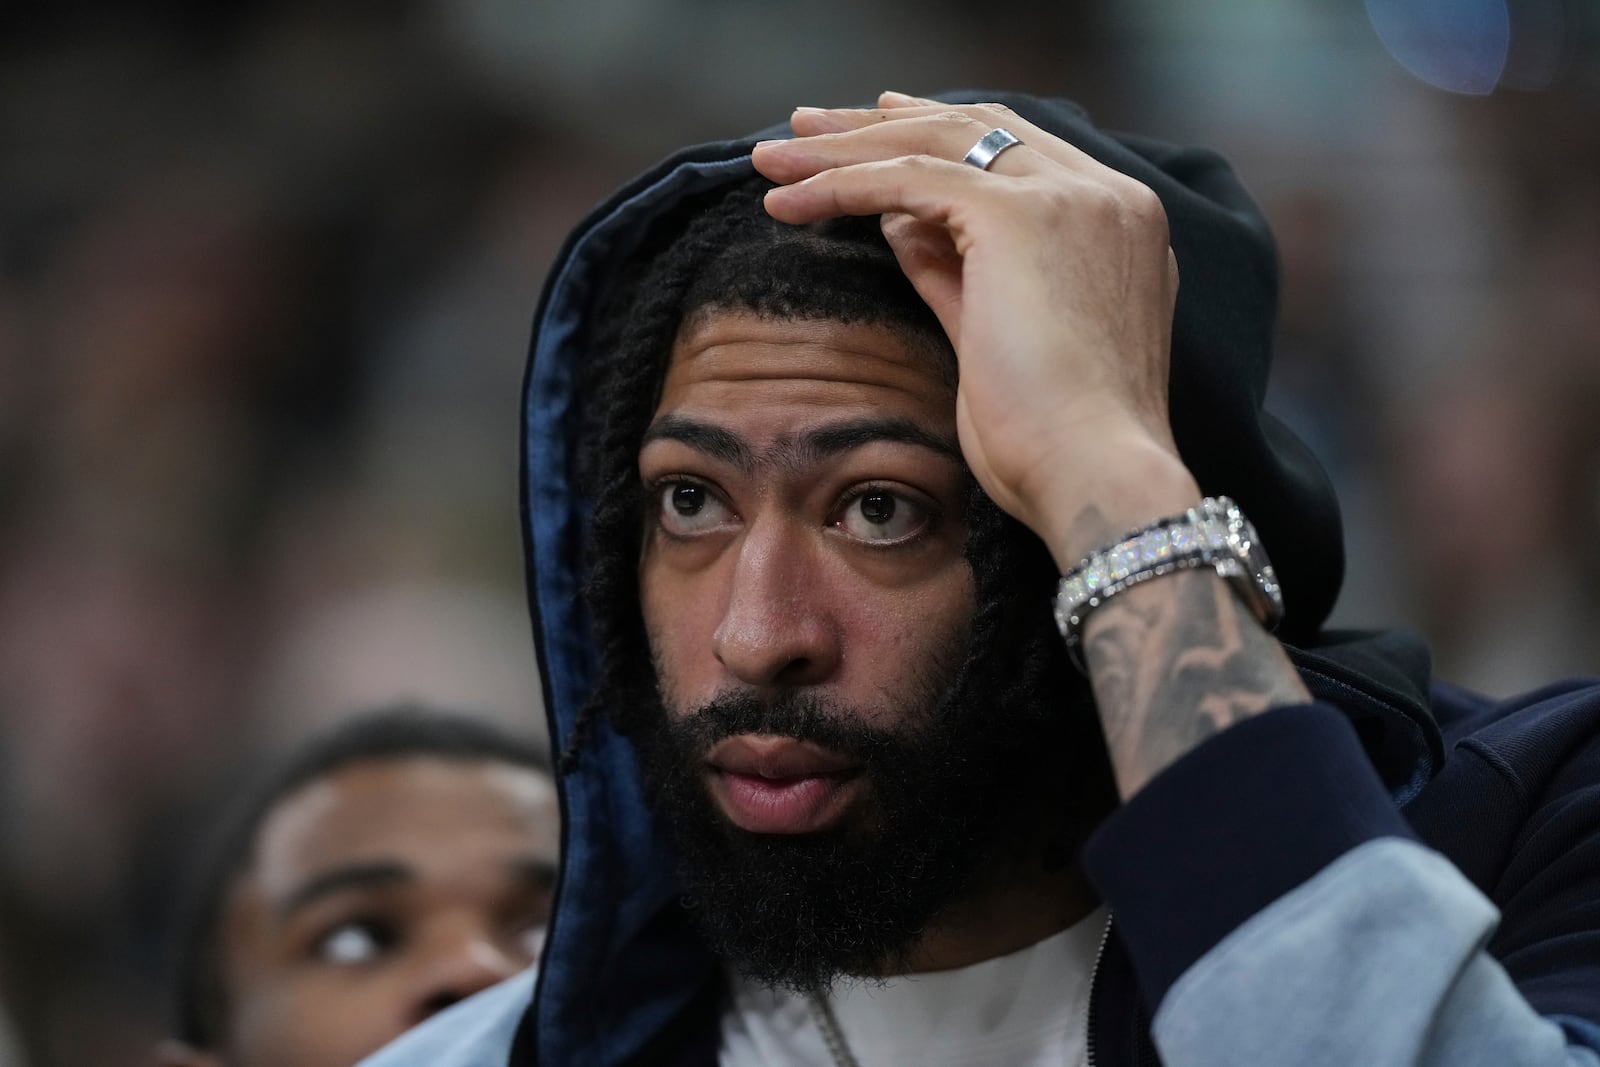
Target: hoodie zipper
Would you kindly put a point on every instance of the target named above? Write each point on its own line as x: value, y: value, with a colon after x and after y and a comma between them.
x: 1094, y: 978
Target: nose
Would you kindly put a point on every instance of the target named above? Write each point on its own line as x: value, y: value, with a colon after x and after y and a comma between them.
x: 777, y: 629
x: 463, y: 959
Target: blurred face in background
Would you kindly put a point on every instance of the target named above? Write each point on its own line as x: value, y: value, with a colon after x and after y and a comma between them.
x: 378, y: 896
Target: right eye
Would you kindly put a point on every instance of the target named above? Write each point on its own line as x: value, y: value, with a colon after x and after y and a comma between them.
x: 689, y: 508
x: 355, y: 942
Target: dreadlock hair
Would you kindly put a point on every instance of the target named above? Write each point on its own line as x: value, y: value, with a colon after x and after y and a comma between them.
x: 723, y: 252
x: 200, y: 1000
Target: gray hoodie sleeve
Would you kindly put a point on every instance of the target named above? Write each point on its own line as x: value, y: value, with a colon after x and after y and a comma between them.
x: 1377, y: 961
x: 474, y: 1033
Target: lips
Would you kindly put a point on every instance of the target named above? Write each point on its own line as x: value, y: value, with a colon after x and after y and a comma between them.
x: 778, y: 785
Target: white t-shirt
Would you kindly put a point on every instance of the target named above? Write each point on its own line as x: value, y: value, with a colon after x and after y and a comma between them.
x: 1028, y: 1009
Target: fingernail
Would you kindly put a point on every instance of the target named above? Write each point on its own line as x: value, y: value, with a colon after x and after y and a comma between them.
x: 901, y: 97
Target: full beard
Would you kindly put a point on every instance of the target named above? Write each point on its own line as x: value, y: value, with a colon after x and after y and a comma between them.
x: 959, y: 798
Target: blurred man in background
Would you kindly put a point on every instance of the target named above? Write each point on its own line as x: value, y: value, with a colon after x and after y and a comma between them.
x: 384, y: 870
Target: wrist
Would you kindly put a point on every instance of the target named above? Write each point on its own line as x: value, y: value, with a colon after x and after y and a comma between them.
x: 1115, y: 488
x: 1214, y: 535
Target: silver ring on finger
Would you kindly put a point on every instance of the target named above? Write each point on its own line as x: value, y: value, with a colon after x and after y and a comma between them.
x: 989, y: 147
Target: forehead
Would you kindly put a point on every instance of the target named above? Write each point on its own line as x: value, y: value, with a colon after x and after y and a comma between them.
x: 743, y: 361
x: 424, y: 812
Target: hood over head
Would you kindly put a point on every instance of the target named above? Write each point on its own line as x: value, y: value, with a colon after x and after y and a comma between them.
x: 623, y: 966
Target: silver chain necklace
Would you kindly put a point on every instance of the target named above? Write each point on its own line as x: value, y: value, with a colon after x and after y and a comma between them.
x: 832, y: 1036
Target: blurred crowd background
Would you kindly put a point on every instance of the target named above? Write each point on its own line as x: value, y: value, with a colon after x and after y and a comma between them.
x: 266, y: 276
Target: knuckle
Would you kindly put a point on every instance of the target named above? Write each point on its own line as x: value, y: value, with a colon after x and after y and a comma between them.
x: 1000, y: 110
x: 1143, y: 201
x: 913, y: 164
x: 958, y: 122
x: 1103, y: 200
x: 1141, y: 207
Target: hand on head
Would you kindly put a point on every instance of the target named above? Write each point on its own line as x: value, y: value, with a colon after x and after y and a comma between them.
x: 1052, y: 275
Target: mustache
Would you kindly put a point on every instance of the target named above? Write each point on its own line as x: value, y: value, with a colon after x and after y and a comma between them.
x: 802, y: 716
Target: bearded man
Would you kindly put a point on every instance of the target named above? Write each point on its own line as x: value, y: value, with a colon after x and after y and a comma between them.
x: 818, y: 430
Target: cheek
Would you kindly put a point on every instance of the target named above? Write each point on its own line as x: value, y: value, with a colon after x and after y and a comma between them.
x: 329, y: 1021
x: 918, y: 627
x: 680, y: 621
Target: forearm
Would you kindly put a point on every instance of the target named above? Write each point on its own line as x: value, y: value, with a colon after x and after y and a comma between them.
x: 1278, y: 909
x: 1176, y: 661
x: 1268, y: 881
x: 1378, y: 960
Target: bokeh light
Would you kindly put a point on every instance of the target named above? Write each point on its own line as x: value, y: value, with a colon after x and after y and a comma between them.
x: 1457, y: 45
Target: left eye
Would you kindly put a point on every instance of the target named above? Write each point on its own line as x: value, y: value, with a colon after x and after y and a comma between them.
x: 882, y: 515
x: 355, y: 942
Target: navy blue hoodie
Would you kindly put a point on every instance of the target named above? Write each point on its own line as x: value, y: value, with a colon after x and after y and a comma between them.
x: 1397, y: 873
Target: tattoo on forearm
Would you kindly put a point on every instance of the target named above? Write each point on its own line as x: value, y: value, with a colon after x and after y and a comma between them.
x: 1175, y: 661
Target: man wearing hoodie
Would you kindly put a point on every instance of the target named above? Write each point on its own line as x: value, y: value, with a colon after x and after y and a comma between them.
x: 818, y: 431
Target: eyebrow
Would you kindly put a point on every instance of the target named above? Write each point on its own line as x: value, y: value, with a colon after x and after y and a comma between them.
x: 530, y: 871
x: 813, y: 446
x: 341, y: 879
x: 714, y: 441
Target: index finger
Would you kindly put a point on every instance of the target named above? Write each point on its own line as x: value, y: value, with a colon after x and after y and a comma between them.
x: 949, y: 131
x: 939, y: 134
x: 809, y: 122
